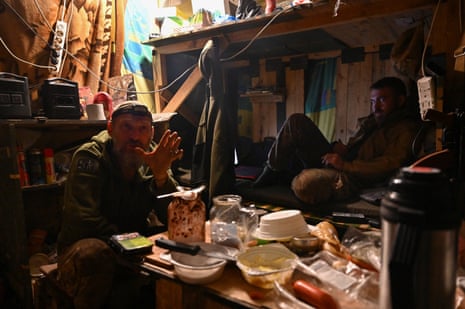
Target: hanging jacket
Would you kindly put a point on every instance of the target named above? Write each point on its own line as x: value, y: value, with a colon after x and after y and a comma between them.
x: 213, y: 156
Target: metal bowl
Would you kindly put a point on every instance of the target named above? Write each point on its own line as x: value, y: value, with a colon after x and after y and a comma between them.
x: 305, y: 243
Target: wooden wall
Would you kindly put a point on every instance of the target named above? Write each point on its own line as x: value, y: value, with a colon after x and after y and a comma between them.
x: 352, y: 93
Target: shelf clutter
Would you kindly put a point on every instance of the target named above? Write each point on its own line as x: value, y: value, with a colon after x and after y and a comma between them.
x: 36, y: 166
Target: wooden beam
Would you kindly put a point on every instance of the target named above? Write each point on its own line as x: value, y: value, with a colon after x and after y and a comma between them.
x: 189, y: 84
x: 294, y: 20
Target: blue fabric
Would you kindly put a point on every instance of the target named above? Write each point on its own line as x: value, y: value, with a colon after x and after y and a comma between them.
x: 320, y: 104
x: 138, y: 22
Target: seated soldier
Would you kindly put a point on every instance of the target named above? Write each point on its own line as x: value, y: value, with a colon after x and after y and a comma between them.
x: 111, y: 189
x: 321, y: 171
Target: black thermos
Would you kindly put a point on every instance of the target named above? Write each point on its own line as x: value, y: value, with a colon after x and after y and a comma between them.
x: 420, y: 223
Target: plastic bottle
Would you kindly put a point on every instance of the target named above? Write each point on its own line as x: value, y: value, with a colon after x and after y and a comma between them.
x: 23, y: 173
x: 49, y: 164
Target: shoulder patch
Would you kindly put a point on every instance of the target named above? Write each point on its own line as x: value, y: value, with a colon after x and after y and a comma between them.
x: 87, y: 165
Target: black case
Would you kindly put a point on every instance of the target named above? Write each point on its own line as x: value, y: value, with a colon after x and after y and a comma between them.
x: 60, y: 99
x: 15, y: 101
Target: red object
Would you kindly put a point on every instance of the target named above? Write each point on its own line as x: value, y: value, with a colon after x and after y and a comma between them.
x: 104, y: 98
x: 270, y: 6
x: 23, y: 174
x: 49, y: 164
x: 313, y: 295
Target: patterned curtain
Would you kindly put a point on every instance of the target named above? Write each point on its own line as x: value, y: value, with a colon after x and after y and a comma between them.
x: 26, y: 27
x: 320, y: 104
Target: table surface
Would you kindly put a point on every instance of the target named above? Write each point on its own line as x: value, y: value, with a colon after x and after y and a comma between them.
x: 230, y: 286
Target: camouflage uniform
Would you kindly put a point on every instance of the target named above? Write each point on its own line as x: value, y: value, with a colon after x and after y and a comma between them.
x: 99, y: 203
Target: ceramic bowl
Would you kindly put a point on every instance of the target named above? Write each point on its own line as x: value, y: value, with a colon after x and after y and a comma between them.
x: 263, y: 265
x: 197, y: 269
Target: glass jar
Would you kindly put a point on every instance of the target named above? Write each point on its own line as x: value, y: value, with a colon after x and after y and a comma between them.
x: 186, y: 219
x: 226, y: 220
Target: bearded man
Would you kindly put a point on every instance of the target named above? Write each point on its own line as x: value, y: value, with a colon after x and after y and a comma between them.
x: 111, y: 189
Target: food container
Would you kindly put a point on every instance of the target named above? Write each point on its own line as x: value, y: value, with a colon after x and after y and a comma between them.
x: 197, y: 269
x: 263, y: 265
x: 281, y: 225
x: 305, y: 243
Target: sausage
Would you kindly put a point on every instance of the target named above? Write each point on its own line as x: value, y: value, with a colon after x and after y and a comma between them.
x: 313, y: 295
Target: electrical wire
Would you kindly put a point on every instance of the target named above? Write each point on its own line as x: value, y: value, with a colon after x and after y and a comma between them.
x: 63, y: 10
x: 258, y: 34
x: 425, y: 47
x: 41, y: 12
x: 22, y: 60
x: 97, y: 76
x: 25, y: 22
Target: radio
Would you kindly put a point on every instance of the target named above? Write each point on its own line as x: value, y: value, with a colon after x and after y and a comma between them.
x: 14, y: 96
x: 60, y: 99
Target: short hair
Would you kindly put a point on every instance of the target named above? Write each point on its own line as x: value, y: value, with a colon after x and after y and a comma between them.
x: 131, y: 107
x: 394, y: 83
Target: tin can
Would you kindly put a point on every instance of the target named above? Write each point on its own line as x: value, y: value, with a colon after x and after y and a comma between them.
x: 36, y: 167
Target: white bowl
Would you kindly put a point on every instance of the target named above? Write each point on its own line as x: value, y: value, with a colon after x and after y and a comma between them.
x: 281, y: 225
x: 263, y: 265
x: 197, y: 269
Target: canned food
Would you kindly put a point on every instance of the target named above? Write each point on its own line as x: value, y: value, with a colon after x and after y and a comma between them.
x: 36, y: 167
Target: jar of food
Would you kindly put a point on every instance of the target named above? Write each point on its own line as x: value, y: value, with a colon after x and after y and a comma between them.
x: 186, y: 218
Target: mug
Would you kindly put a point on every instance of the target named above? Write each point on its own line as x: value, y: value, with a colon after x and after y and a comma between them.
x: 95, y: 112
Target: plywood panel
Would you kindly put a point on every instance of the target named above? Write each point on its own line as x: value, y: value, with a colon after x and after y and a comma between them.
x: 341, y: 99
x: 295, y: 84
x: 264, y: 114
x: 354, y: 98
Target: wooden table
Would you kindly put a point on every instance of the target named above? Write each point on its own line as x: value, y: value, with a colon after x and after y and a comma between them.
x: 230, y: 291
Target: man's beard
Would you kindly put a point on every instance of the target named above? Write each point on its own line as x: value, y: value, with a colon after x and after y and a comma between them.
x: 128, y: 159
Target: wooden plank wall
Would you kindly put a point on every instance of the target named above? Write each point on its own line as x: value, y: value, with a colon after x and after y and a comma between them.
x: 352, y: 91
x: 264, y: 114
x: 352, y: 86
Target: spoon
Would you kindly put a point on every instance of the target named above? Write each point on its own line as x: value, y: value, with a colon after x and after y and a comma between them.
x: 186, y: 194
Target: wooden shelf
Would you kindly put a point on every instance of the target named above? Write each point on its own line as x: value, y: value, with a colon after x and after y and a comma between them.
x: 48, y: 186
x: 265, y: 97
x: 319, y: 27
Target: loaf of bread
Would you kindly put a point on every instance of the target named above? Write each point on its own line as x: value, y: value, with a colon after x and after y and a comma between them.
x: 186, y: 220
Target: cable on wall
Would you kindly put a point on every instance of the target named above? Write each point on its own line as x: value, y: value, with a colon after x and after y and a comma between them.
x: 425, y: 47
x: 97, y: 76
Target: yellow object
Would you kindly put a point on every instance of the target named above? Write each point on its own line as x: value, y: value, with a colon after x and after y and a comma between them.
x: 263, y: 265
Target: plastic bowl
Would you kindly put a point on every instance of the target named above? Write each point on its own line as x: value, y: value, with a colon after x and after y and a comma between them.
x: 197, y: 269
x: 263, y: 265
x: 281, y: 225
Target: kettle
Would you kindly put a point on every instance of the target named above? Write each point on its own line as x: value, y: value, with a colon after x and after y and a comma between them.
x: 419, y: 225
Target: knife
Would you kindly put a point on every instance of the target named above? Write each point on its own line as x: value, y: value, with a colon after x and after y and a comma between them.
x: 192, y: 249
